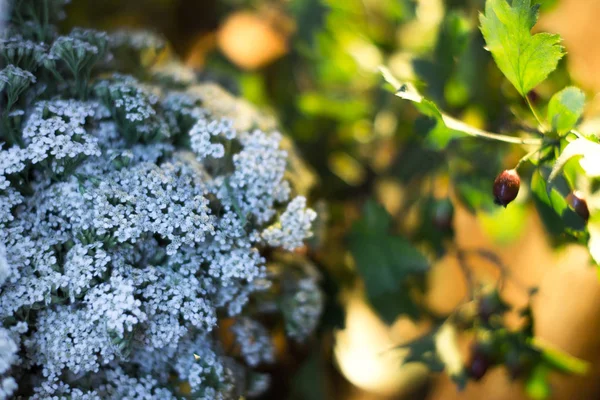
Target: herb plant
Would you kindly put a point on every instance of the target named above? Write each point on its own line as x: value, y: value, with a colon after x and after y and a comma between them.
x: 139, y: 210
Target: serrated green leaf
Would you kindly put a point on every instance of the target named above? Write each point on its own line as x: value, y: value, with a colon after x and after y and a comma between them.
x: 525, y: 59
x: 565, y: 109
x: 385, y: 261
x: 590, y: 157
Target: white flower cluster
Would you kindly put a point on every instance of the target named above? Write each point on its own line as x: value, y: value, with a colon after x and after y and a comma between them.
x: 133, y: 109
x: 136, y: 40
x: 131, y: 221
x: 202, y: 133
x: 254, y: 342
x: 8, y: 356
x: 55, y: 131
x: 293, y: 226
x: 302, y: 308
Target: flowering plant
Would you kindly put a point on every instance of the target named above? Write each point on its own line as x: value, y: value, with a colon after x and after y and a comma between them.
x: 136, y: 212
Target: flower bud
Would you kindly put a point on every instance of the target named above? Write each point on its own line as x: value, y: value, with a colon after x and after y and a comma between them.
x: 506, y: 187
x: 577, y: 201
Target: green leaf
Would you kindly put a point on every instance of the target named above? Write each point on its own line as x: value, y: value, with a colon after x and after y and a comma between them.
x: 545, y: 206
x: 550, y: 199
x: 525, y: 59
x: 385, y: 262
x: 584, y: 148
x: 438, y: 134
x: 565, y: 109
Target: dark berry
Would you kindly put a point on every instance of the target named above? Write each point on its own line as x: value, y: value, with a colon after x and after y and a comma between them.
x: 443, y: 213
x: 478, y: 364
x: 578, y: 203
x: 489, y: 305
x: 506, y: 187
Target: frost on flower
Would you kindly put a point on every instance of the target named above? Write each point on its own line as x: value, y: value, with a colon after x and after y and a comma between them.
x: 133, y: 219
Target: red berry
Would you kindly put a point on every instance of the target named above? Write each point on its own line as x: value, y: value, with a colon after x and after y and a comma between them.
x: 578, y: 203
x: 506, y: 187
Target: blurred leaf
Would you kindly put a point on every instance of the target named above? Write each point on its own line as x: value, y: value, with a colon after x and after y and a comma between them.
x: 446, y: 344
x: 385, y: 262
x: 544, y: 205
x: 415, y: 162
x: 594, y: 242
x: 504, y: 225
x: 474, y: 192
x: 565, y: 109
x: 309, y: 16
x: 451, y: 44
x: 552, y: 196
x: 537, y: 385
x: 558, y: 359
x: 525, y: 59
x: 438, y: 133
x: 253, y: 89
x: 314, y: 103
x: 435, y: 226
x: 423, y: 349
x: 452, y: 39
x: 590, y: 161
x: 391, y: 304
x: 310, y: 380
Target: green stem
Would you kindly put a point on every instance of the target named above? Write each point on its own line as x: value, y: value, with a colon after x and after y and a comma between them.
x: 527, y: 156
x: 458, y: 125
x: 454, y: 123
x: 536, y: 115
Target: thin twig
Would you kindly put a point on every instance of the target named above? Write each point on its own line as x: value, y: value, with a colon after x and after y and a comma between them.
x: 535, y: 114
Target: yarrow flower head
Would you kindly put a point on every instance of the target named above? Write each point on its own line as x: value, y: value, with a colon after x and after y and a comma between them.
x: 134, y: 218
